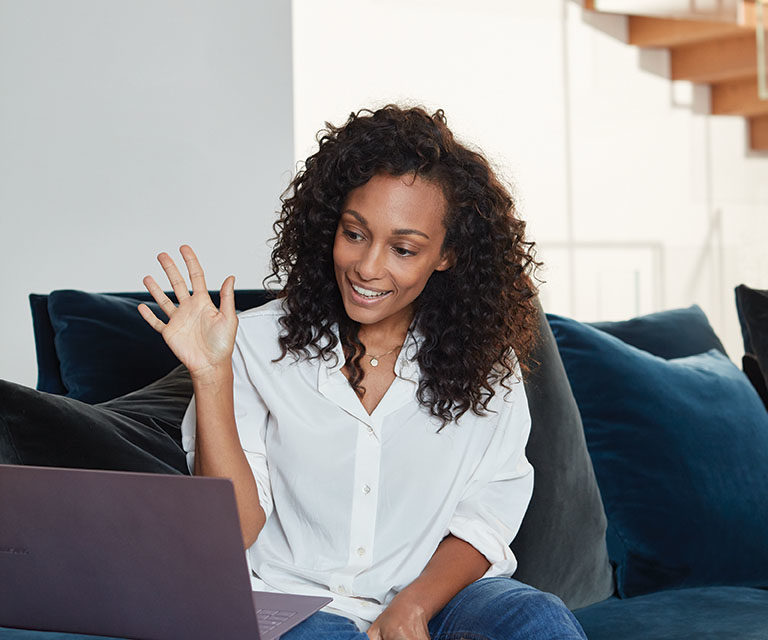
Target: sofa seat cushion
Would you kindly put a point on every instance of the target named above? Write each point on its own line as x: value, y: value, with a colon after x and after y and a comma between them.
x: 737, y: 613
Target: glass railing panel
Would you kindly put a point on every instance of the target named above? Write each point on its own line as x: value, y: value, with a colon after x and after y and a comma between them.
x: 761, y: 20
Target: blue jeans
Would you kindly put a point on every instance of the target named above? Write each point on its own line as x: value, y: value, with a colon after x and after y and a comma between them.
x: 489, y: 609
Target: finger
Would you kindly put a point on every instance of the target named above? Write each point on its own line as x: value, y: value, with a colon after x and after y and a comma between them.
x: 166, y: 304
x: 155, y: 322
x: 227, y: 306
x: 174, y: 276
x: 196, y: 275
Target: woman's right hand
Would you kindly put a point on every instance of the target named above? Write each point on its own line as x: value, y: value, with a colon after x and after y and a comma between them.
x: 199, y: 334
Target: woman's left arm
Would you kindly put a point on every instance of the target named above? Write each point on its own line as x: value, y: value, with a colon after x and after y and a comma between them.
x: 454, y: 565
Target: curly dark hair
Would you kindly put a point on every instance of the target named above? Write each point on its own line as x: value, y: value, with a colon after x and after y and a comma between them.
x: 478, y: 318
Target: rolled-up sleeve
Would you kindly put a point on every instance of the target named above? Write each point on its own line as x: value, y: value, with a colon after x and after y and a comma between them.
x: 251, y: 418
x: 494, y: 502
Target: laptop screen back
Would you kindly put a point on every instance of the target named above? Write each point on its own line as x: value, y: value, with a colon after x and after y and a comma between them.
x: 123, y: 554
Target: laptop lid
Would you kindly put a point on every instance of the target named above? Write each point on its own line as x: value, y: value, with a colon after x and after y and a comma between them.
x: 133, y: 555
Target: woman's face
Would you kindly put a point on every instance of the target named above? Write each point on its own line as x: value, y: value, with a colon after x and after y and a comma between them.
x: 388, y: 242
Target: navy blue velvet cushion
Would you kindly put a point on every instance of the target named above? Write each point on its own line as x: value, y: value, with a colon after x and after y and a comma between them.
x: 105, y: 348
x: 680, y: 451
x: 674, y: 333
x: 48, y: 373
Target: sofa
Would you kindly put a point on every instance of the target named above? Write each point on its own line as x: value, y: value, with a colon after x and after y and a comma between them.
x: 649, y: 516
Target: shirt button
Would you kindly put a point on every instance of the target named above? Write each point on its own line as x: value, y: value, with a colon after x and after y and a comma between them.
x: 341, y: 589
x: 361, y: 551
x: 366, y: 489
x: 370, y: 431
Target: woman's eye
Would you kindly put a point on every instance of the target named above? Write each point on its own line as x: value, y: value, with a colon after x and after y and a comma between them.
x: 402, y: 251
x: 352, y: 235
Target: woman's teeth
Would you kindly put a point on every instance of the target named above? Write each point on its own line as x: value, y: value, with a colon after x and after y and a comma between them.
x: 368, y: 293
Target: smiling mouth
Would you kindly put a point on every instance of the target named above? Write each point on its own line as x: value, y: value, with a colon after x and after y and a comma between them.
x: 368, y: 294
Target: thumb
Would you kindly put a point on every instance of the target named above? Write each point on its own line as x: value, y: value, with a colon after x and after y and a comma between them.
x: 227, y: 293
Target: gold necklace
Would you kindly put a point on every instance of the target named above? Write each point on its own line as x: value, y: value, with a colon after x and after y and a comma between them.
x: 375, y: 359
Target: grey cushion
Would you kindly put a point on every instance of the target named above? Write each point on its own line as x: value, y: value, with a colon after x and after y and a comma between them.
x: 561, y: 544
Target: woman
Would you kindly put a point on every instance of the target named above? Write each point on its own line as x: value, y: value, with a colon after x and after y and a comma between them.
x: 372, y: 418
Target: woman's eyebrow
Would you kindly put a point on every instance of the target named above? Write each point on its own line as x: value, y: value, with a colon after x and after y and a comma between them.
x: 396, y: 232
x: 356, y: 216
x: 409, y: 232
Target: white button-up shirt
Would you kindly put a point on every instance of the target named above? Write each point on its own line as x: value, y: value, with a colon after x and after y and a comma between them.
x: 356, y: 504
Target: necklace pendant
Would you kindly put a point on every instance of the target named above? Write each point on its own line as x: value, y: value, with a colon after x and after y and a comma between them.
x: 374, y: 362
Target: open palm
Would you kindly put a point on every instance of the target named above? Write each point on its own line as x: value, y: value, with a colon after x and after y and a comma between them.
x: 201, y: 336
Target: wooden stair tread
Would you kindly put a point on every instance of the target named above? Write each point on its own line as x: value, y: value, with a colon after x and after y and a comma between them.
x: 715, y: 60
x: 738, y: 97
x: 666, y: 32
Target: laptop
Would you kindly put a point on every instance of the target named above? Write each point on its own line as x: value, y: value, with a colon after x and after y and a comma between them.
x: 131, y: 555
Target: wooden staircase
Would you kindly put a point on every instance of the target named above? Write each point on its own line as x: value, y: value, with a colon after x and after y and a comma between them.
x: 720, y: 54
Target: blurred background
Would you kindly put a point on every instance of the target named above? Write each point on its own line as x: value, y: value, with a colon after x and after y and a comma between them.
x: 130, y: 127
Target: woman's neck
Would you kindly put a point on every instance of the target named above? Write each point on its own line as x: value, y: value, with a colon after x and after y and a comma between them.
x: 383, y: 336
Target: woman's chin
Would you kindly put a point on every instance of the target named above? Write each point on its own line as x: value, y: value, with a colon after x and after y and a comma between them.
x: 363, y: 315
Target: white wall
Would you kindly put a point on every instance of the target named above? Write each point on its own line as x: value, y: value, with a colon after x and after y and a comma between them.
x: 127, y: 128
x: 638, y: 199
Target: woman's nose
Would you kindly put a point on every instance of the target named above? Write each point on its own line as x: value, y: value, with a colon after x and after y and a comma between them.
x: 371, y: 264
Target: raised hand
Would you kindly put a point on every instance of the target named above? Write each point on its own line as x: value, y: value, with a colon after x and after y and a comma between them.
x: 199, y: 334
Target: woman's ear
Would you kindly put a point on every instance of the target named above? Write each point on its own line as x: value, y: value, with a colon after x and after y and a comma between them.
x: 447, y: 260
